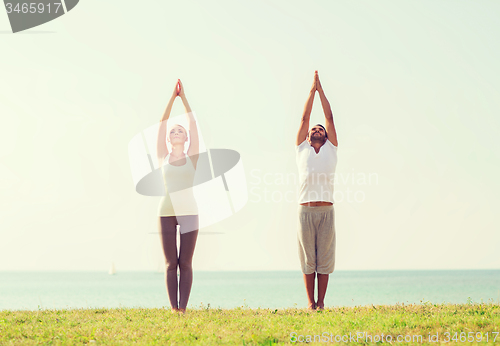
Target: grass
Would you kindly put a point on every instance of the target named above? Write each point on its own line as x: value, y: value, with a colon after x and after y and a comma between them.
x: 243, y: 326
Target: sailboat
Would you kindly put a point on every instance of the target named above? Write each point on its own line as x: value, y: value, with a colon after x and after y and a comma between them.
x: 112, y: 269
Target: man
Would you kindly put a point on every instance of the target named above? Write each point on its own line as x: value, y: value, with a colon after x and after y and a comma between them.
x: 316, y: 153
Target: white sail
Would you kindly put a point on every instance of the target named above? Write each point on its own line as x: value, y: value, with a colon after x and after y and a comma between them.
x: 112, y: 269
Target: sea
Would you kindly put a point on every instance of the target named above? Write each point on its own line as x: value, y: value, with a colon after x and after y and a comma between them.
x: 247, y: 289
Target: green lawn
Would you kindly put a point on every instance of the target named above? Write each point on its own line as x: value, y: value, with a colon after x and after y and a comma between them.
x: 242, y: 326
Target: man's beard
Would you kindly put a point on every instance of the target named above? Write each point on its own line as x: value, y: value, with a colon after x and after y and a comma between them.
x: 317, y: 139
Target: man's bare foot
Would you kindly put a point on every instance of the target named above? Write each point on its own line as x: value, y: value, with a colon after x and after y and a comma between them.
x: 175, y: 309
x: 320, y: 306
x: 312, y: 306
x: 181, y: 310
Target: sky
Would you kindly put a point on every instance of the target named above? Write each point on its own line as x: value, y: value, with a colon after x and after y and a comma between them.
x: 414, y: 88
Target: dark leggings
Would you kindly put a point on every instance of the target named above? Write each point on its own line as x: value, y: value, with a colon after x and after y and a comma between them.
x: 168, y: 235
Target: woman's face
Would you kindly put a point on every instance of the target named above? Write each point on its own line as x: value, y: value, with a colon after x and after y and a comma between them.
x: 177, y: 135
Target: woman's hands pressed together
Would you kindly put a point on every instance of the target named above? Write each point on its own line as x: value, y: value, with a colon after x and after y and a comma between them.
x: 180, y: 89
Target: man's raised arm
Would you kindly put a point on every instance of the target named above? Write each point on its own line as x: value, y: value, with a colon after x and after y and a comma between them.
x: 330, y: 126
x: 306, y: 115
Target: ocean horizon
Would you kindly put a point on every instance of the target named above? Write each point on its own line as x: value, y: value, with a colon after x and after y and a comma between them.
x: 24, y: 290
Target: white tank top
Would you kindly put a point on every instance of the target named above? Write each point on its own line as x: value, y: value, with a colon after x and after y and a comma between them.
x: 178, y: 182
x: 316, y: 172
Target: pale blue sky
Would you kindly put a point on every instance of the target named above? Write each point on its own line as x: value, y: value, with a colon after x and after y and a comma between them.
x: 414, y: 87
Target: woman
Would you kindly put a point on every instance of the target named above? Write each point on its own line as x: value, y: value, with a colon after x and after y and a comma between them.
x: 178, y: 207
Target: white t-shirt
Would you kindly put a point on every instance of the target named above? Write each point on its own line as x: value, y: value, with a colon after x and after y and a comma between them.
x: 316, y: 172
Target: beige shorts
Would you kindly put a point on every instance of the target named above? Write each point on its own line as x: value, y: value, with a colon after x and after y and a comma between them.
x: 316, y: 238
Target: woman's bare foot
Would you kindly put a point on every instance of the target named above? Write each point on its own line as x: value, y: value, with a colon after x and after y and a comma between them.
x: 181, y: 310
x: 312, y: 306
x: 175, y: 309
x: 320, y: 306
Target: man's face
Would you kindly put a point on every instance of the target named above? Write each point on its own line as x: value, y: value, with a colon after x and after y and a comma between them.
x: 317, y: 134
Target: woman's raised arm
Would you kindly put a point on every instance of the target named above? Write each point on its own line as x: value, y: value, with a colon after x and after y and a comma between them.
x: 194, y: 144
x: 161, y: 141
